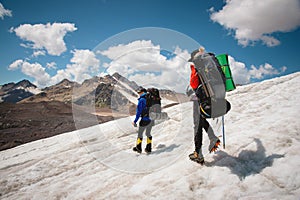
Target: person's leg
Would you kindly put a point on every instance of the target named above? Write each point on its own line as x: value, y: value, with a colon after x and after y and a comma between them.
x: 148, y: 148
x: 208, y: 129
x: 197, y: 155
x: 141, y: 131
x: 139, y: 140
x: 197, y: 127
x: 149, y: 128
x: 214, y: 140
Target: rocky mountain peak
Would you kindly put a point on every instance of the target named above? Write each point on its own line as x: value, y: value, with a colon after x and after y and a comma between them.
x: 15, y: 92
x: 117, y: 75
x: 25, y: 84
x: 65, y: 82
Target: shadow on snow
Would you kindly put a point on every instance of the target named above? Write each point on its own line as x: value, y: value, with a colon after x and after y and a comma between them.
x: 248, y: 162
x: 163, y: 148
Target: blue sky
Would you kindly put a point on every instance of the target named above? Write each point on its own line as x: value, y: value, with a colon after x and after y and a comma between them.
x: 46, y: 41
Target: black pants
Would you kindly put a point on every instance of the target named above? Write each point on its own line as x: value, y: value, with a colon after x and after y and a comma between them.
x: 199, y: 123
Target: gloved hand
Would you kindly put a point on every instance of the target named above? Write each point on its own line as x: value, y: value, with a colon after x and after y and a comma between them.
x: 189, y: 91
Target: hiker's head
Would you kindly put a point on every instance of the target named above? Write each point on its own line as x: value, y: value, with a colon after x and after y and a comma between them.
x: 201, y: 50
x: 141, y: 90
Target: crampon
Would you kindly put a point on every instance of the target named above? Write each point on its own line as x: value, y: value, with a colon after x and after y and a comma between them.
x: 215, y: 147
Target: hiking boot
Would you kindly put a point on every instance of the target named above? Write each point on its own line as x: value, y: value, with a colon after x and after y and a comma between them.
x: 214, y: 145
x: 148, y: 148
x: 138, y: 147
x: 197, y: 157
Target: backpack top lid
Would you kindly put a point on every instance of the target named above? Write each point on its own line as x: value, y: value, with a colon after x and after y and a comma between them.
x: 154, y: 93
x: 195, y: 53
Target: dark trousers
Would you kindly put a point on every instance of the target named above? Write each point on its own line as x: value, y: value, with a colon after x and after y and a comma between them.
x: 199, y: 123
x: 145, y: 126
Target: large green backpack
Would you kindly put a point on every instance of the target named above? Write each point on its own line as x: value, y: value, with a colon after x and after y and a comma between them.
x: 223, y: 60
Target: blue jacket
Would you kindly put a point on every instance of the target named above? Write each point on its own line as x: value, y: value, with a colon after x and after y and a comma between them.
x: 140, y: 107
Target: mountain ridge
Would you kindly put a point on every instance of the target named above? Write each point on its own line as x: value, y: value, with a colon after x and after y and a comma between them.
x: 100, y: 98
x: 15, y: 92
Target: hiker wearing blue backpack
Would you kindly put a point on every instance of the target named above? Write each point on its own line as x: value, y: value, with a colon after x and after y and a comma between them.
x: 142, y: 111
x: 199, y: 117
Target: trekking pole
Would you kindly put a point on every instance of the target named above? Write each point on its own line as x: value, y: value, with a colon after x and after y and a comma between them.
x: 223, y: 132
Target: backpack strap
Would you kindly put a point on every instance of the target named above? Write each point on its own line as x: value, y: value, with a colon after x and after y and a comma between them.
x: 204, y: 85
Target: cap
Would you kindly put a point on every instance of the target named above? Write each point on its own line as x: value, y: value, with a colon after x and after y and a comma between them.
x: 140, y: 89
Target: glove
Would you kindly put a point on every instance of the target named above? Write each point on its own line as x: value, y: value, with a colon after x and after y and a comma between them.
x: 134, y: 124
x: 189, y: 91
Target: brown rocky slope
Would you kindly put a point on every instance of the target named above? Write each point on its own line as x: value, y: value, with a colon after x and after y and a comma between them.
x: 26, y: 122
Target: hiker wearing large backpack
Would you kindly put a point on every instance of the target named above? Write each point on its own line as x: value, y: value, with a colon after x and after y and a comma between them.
x: 201, y: 108
x: 142, y: 111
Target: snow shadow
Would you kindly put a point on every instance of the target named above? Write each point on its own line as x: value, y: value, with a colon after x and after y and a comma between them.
x: 163, y: 148
x: 248, y: 162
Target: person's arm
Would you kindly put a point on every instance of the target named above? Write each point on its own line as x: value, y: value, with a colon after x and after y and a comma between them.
x: 194, y: 78
x: 139, y: 110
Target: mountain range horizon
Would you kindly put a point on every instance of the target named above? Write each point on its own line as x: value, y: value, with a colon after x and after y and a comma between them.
x: 28, y: 113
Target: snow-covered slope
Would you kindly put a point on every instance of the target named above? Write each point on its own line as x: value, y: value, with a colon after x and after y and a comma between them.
x: 261, y: 159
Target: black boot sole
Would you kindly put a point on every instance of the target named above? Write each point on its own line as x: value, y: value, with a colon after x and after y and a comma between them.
x: 148, y: 152
x: 197, y: 160
x: 136, y: 150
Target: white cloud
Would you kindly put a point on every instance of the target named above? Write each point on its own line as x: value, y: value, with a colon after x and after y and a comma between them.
x: 139, y: 55
x: 146, y: 66
x: 34, y: 70
x: 51, y: 65
x: 239, y: 71
x: 264, y: 70
x: 15, y: 65
x: 45, y: 36
x: 242, y: 75
x: 142, y: 62
x: 38, y: 53
x: 4, y: 12
x: 256, y: 20
x: 120, y: 50
x: 84, y: 64
x: 60, y: 75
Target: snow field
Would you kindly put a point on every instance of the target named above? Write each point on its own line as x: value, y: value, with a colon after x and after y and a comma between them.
x: 261, y: 159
